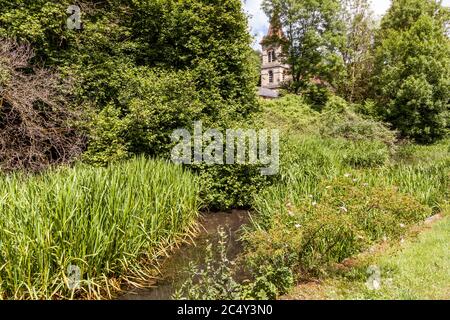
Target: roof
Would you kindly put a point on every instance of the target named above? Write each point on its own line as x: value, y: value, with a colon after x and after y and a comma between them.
x: 267, y: 93
x: 275, y: 29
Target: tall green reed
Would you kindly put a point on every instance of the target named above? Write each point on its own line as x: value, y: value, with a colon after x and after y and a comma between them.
x: 111, y: 223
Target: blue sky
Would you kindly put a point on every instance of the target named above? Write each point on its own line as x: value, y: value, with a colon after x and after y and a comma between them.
x: 259, y: 22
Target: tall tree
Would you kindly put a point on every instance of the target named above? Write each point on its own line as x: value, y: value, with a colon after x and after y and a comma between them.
x: 412, y: 69
x: 314, y: 37
x: 357, y: 54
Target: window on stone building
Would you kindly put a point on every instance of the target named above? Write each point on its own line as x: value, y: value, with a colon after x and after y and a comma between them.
x: 270, y: 76
x: 271, y: 56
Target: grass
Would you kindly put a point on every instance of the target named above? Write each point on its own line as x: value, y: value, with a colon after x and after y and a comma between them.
x: 112, y: 223
x: 418, y: 269
x: 421, y: 270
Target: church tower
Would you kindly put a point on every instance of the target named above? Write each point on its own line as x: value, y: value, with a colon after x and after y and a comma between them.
x: 273, y: 72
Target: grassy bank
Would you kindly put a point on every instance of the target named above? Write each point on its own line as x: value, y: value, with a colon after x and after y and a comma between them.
x: 111, y: 223
x: 416, y: 269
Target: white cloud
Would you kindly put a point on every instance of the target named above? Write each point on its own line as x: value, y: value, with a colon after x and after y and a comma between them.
x: 258, y: 20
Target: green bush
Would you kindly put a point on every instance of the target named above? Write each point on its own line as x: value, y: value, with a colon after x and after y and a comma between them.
x: 230, y: 186
x: 290, y: 114
x: 269, y: 283
x: 344, y: 217
x: 151, y: 105
x: 339, y: 119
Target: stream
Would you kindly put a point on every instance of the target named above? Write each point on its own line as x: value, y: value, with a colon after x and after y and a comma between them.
x: 173, y: 269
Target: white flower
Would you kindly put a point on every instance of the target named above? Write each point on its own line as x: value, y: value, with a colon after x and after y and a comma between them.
x: 347, y: 175
x: 298, y: 226
x: 344, y: 209
x: 290, y: 213
x: 402, y: 225
x: 314, y: 203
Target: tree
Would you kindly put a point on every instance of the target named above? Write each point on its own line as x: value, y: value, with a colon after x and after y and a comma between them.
x: 412, y: 69
x: 256, y: 62
x: 314, y: 39
x: 126, y: 47
x: 358, y: 53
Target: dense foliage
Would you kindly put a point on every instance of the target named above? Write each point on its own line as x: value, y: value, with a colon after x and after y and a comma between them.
x: 145, y: 68
x: 124, y: 45
x: 412, y: 69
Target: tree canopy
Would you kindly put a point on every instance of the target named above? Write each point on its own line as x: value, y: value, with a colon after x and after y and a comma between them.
x: 411, y: 79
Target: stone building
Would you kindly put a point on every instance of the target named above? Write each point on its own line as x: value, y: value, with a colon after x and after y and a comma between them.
x: 273, y: 72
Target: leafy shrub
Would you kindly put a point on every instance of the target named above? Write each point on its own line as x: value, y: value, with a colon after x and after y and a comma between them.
x: 412, y: 71
x: 340, y: 120
x: 230, y: 186
x: 317, y: 95
x: 269, y: 283
x: 226, y: 186
x: 343, y: 218
x: 150, y: 106
x: 290, y: 113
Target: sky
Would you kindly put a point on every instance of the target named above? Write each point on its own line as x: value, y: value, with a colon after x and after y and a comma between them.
x: 260, y: 23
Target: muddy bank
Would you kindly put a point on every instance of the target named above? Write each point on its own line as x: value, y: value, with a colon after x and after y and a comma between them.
x: 173, y: 268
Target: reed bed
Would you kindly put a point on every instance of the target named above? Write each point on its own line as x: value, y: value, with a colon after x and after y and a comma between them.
x: 110, y: 224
